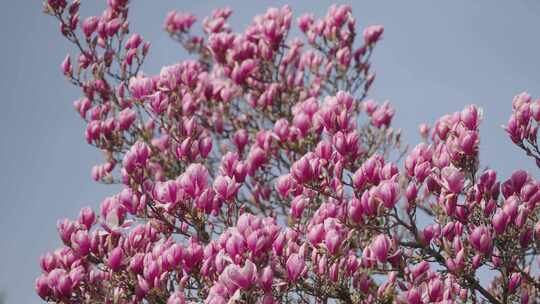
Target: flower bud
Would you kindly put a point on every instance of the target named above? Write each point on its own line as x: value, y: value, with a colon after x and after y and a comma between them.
x: 266, y: 278
x: 372, y: 34
x: 241, y: 138
x: 332, y: 241
x: 115, y: 259
x: 295, y: 265
x: 87, y: 217
x: 66, y: 66
x: 499, y: 221
x: 302, y: 170
x: 515, y: 279
x: 42, y: 287
x: 89, y: 25
x: 64, y: 286
x: 297, y: 206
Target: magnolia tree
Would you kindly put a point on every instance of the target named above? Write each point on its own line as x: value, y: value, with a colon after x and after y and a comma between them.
x: 257, y: 172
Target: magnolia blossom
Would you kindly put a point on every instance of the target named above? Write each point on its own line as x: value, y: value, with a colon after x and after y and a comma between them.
x: 257, y: 172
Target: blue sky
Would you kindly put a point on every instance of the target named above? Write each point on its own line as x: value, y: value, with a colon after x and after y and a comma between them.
x: 435, y: 58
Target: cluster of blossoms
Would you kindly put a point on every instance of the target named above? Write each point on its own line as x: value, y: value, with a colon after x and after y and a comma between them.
x: 258, y: 172
x: 522, y: 126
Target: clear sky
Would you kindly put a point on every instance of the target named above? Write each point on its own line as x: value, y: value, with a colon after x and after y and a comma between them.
x: 435, y: 58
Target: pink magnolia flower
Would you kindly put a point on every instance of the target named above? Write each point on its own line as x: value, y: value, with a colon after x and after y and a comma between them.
x: 89, y: 25
x: 225, y: 187
x: 285, y: 184
x: 87, y: 217
x: 266, y: 278
x: 140, y: 86
x: 302, y: 170
x: 499, y: 221
x: 372, y: 34
x: 452, y: 179
x: 481, y: 239
x: 380, y: 247
x: 295, y: 266
x: 388, y: 193
x: 81, y: 242
x: 115, y: 259
x: 243, y: 277
x: 382, y: 116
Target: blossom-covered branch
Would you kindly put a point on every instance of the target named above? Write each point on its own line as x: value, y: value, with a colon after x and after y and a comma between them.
x: 259, y: 172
